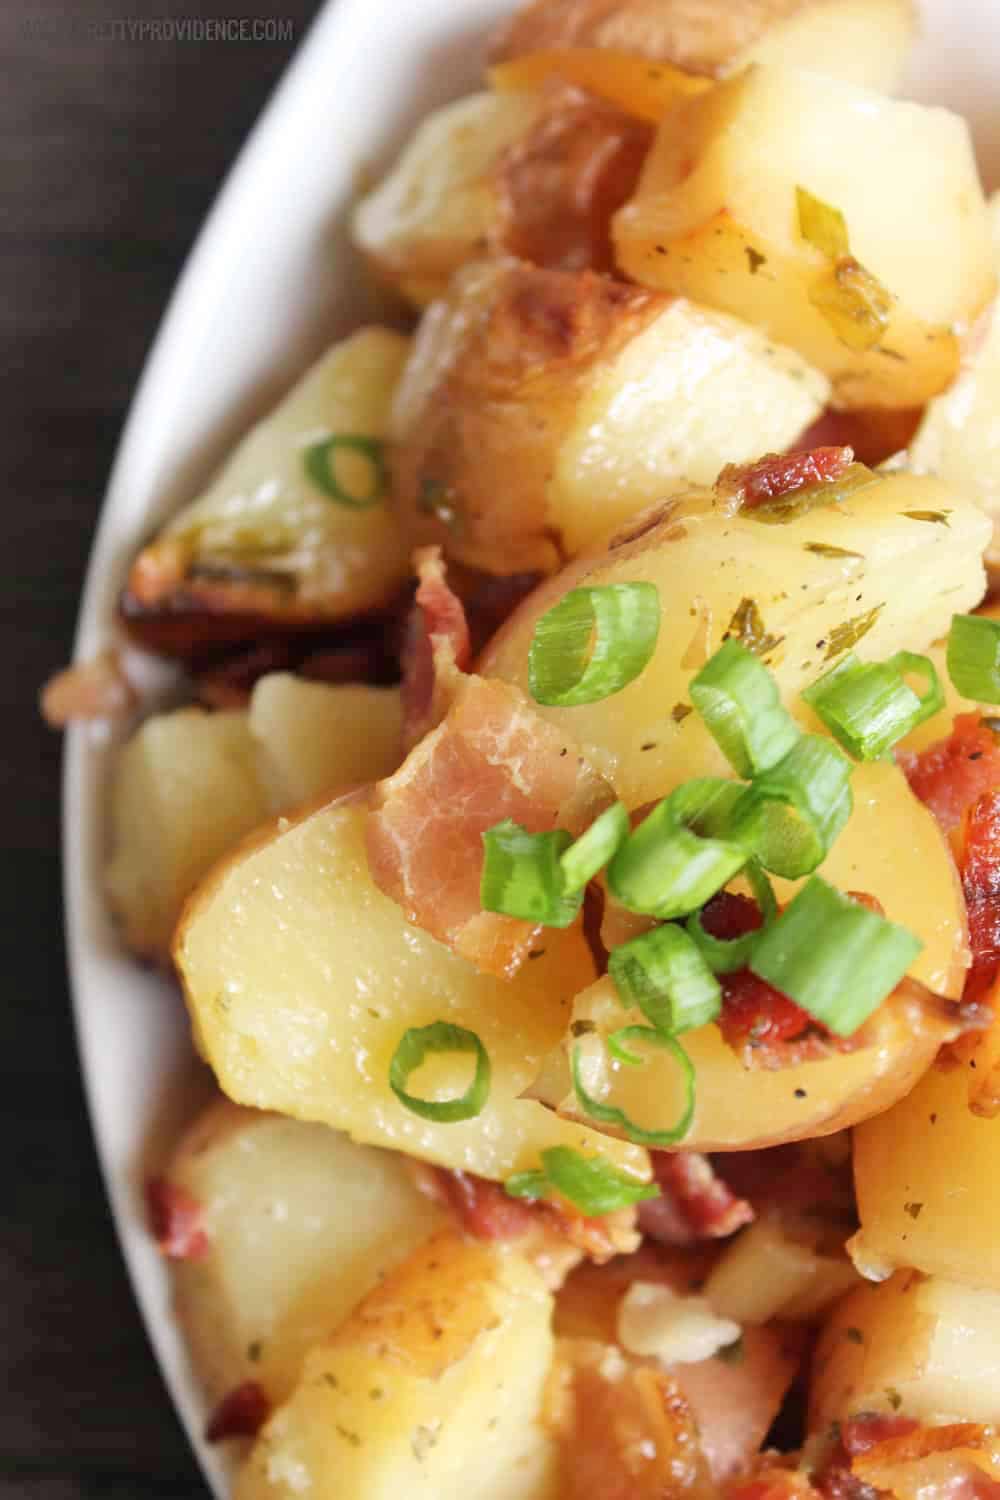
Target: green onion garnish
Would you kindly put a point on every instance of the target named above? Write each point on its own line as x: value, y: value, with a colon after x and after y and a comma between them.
x: 671, y: 864
x: 421, y: 1042
x: 868, y: 706
x: 665, y: 975
x: 593, y: 849
x: 821, y: 225
x: 607, y: 1114
x: 320, y: 463
x: 834, y: 957
x: 593, y: 1186
x: 794, y: 812
x: 593, y: 643
x: 974, y: 657
x: 726, y: 955
x: 739, y: 701
x: 523, y: 876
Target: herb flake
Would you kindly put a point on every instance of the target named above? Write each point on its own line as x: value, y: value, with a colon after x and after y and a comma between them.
x: 747, y: 627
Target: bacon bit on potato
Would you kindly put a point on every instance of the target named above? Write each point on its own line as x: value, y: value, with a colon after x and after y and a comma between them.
x: 492, y: 758
x: 559, y: 186
x: 694, y: 1203
x: 241, y: 1413
x: 175, y: 1219
x: 94, y: 689
x: 777, y: 474
x: 949, y: 775
x: 436, y: 648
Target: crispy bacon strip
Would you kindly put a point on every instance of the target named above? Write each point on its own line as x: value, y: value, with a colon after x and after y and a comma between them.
x: 950, y: 775
x: 436, y: 648
x: 175, y: 1219
x: 240, y: 1413
x: 694, y: 1203
x: 492, y: 758
x: 777, y: 474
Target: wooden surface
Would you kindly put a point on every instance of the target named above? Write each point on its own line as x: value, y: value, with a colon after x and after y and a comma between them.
x: 110, y: 153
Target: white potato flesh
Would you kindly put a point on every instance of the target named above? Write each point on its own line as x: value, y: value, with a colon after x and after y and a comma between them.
x: 301, y: 1223
x: 595, y: 398
x: 694, y: 391
x: 715, y: 218
x: 316, y: 737
x: 904, y: 580
x: 926, y: 1181
x: 265, y: 537
x: 186, y: 788
x: 432, y: 1390
x: 437, y: 206
x: 959, y: 438
x: 923, y: 1346
x: 301, y: 977
x: 862, y: 41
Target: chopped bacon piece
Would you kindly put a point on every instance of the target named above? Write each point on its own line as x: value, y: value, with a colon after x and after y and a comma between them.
x: 241, y: 1413
x: 492, y: 758
x: 949, y: 775
x: 837, y: 1481
x: 980, y: 866
x: 777, y: 474
x: 175, y: 1218
x: 436, y: 650
x: 874, y: 434
x: 859, y: 1434
x: 694, y: 1203
x: 486, y: 1212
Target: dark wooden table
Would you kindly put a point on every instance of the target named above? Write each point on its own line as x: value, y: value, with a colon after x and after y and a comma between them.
x: 110, y: 153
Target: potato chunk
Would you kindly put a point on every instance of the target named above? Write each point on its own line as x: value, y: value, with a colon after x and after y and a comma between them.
x: 294, y: 529
x: 927, y: 1347
x: 190, y: 785
x: 926, y: 1181
x: 301, y: 1224
x: 862, y: 41
x: 301, y: 978
x: 875, y: 571
x: 716, y: 218
x: 431, y: 1390
x: 587, y: 398
x: 959, y: 438
x: 187, y: 787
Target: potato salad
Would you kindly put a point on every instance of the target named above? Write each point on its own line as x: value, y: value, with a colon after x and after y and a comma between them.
x: 578, y: 842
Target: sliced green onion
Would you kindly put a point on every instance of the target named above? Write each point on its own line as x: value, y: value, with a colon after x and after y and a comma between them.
x: 726, y: 955
x: 593, y: 849
x: 421, y: 1042
x: 762, y: 891
x: 834, y: 957
x: 532, y: 1184
x: 593, y: 1186
x: 868, y: 706
x: 793, y: 814
x: 523, y: 877
x: 607, y: 1114
x: 974, y: 657
x: 672, y: 864
x: 618, y: 1050
x: 593, y: 643
x: 320, y: 462
x: 665, y: 975
x: 821, y: 225
x: 739, y: 701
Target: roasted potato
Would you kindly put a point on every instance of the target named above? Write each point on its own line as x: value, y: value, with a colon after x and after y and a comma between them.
x: 315, y: 737
x: 294, y: 531
x: 718, y: 217
x: 540, y: 409
x: 926, y: 1184
x: 190, y: 785
x: 301, y: 1223
x: 431, y: 1390
x: 187, y: 787
x: 862, y: 41
x: 301, y: 978
x: 880, y: 571
x: 923, y: 1346
x: 959, y: 438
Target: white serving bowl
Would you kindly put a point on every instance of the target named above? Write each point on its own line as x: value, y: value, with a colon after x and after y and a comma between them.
x: 271, y: 280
